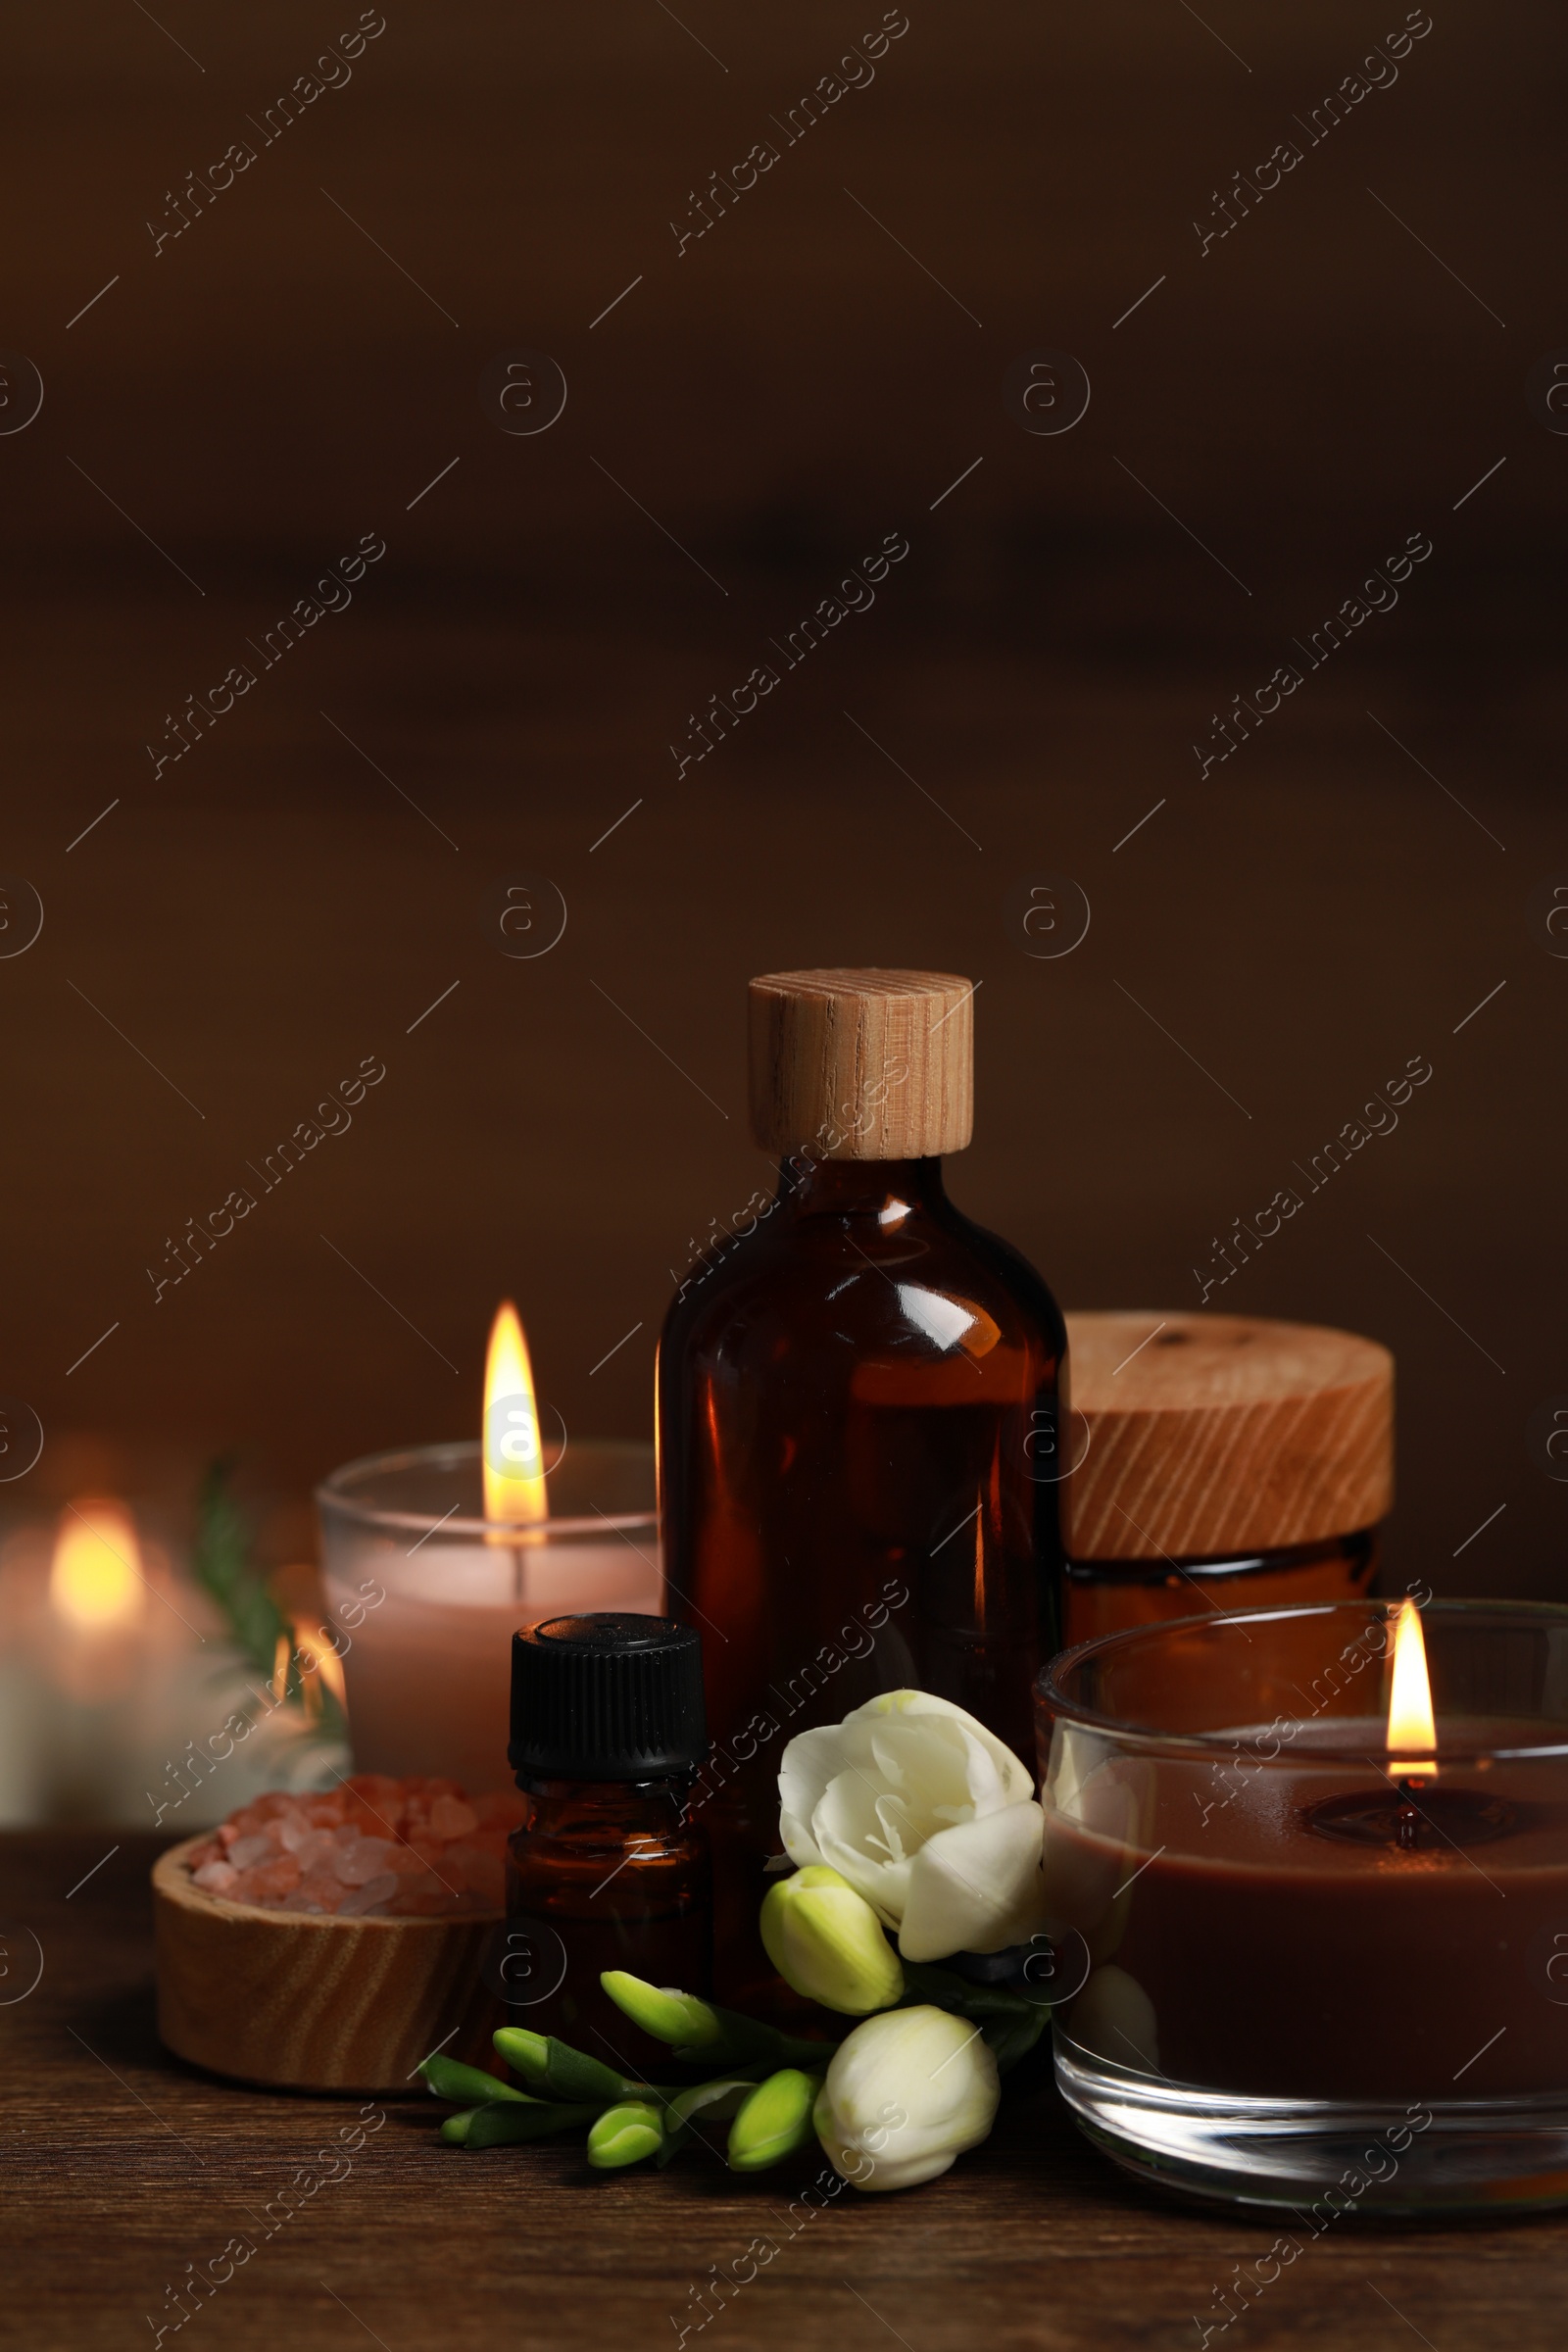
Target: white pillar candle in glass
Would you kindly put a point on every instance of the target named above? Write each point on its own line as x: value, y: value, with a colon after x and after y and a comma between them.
x: 429, y: 1667
x: 117, y: 1665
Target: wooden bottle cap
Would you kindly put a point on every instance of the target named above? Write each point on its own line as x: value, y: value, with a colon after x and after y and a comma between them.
x: 863, y: 1065
x: 1219, y: 1435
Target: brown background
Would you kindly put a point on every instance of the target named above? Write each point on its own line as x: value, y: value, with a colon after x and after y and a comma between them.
x: 792, y: 387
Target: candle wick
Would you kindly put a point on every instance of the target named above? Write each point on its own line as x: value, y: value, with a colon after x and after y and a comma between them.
x: 1408, y: 1821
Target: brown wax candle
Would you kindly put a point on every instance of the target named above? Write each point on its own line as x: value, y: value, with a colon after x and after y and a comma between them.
x: 1315, y: 1854
x: 1258, y: 1925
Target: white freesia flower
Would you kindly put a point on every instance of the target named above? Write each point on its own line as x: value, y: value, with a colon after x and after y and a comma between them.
x: 927, y: 1815
x: 905, y: 2093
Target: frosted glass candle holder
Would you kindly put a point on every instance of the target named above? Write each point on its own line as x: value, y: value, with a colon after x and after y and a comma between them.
x: 430, y: 1593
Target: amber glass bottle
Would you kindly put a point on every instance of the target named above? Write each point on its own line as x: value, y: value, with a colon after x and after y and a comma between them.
x: 857, y: 1409
x: 609, y: 1870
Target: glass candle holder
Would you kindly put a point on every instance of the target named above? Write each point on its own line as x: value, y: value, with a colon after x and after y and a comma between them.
x: 429, y: 1592
x: 1295, y: 1969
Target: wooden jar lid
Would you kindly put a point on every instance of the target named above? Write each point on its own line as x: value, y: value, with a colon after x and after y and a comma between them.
x: 863, y: 1065
x: 1222, y: 1434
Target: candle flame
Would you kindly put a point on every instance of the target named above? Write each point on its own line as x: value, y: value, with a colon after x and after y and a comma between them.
x: 1412, y: 1731
x: 319, y: 1662
x: 325, y: 1660
x: 513, y: 1461
x: 95, y: 1579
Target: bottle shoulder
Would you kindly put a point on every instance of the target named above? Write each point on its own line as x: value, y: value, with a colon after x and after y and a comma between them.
x: 1024, y: 1279
x: 933, y: 1283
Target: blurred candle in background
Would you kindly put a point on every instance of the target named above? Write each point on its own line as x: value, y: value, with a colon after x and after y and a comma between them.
x: 106, y: 1664
x: 74, y: 1600
x: 96, y: 1583
x: 124, y: 1698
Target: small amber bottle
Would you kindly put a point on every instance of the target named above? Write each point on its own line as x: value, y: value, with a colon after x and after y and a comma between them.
x: 858, y: 1405
x: 609, y: 1870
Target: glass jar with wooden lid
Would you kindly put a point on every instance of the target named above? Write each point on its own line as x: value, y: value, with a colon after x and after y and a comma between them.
x: 1221, y: 1462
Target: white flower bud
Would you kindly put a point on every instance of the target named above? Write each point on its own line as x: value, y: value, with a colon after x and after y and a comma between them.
x: 906, y: 2093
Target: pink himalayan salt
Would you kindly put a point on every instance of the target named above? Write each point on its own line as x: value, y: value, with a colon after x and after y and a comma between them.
x: 374, y: 1846
x: 303, y: 1838
x: 450, y: 1817
x: 361, y: 1860
x: 483, y: 1872
x: 268, y: 1882
x: 368, y: 1897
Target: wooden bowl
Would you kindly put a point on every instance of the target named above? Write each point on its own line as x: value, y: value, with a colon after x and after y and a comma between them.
x: 315, y: 2003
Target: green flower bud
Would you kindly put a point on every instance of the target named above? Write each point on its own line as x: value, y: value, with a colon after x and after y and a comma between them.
x: 774, y: 2122
x: 626, y: 2134
x: 527, y: 2054
x: 826, y: 1942
x: 678, y: 2018
x: 447, y: 2078
x: 556, y: 2071
x: 503, y: 2121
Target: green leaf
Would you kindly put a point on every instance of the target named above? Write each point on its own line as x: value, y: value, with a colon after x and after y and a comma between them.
x: 1011, y: 2023
x: 795, y: 2051
x: 222, y: 1559
x: 944, y: 1989
x: 1009, y: 2041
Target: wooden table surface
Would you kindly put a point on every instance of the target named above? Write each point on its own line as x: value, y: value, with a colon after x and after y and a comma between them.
x: 124, y: 2167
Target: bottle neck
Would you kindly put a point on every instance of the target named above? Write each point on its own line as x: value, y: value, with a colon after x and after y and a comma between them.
x: 627, y: 1805
x: 888, y: 1190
